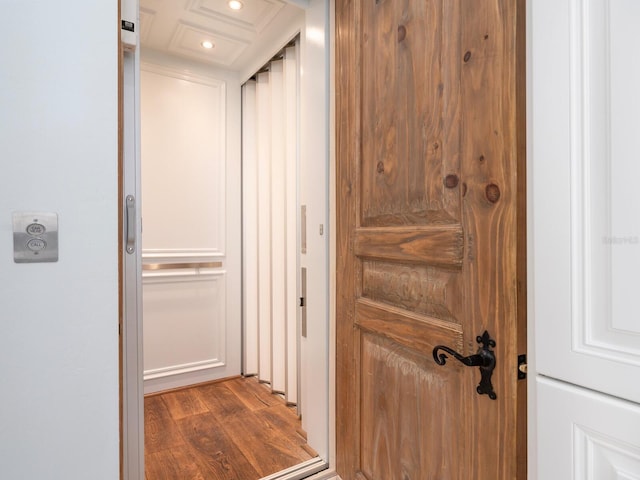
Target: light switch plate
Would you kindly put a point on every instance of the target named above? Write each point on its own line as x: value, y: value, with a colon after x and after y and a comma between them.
x: 35, y: 237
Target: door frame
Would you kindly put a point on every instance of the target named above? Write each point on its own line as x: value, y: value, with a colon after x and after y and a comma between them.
x: 319, y: 33
x: 132, y: 430
x: 532, y: 457
x: 131, y: 358
x: 132, y: 427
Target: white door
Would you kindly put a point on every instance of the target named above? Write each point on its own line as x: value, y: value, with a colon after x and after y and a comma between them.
x: 585, y: 237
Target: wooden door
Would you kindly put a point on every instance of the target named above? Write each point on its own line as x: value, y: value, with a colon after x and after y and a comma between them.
x: 430, y: 249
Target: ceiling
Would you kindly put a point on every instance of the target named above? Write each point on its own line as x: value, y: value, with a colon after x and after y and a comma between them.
x: 178, y: 27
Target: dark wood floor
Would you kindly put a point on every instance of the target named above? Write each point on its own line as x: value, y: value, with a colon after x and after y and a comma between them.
x: 232, y: 430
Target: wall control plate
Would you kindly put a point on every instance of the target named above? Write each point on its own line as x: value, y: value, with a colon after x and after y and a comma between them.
x: 35, y: 237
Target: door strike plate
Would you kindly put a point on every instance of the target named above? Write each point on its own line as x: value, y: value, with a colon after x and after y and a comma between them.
x: 522, y: 367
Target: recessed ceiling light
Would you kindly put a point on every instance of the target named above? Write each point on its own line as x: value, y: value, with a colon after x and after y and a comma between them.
x: 207, y: 44
x: 235, y: 4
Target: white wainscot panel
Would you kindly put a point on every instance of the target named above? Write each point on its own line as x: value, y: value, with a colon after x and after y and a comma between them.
x: 184, y: 322
x: 183, y: 163
x: 589, y: 260
x: 583, y: 435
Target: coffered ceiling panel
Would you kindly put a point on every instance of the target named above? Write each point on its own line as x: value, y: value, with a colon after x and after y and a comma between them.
x: 254, y: 15
x: 179, y: 27
x: 187, y: 41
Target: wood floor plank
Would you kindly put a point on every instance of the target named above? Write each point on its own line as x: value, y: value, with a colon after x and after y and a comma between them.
x: 283, y: 419
x: 172, y: 464
x: 220, y: 399
x: 232, y: 430
x: 184, y: 403
x: 265, y: 447
x: 160, y: 430
x: 253, y: 394
x: 223, y: 460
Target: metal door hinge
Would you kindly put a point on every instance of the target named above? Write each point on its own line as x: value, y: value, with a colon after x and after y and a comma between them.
x: 522, y: 367
x: 302, y: 301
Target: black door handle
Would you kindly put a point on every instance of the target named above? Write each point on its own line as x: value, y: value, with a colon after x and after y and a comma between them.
x: 484, y: 358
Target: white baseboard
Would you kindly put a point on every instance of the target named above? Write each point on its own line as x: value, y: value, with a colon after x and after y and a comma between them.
x: 160, y: 384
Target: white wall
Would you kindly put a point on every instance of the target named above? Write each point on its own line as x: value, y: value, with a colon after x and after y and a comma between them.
x: 183, y: 163
x: 59, y: 153
x: 191, y: 213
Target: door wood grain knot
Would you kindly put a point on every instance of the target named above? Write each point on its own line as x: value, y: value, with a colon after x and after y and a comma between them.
x: 380, y: 167
x: 467, y: 56
x: 492, y: 192
x: 402, y: 33
x: 451, y: 181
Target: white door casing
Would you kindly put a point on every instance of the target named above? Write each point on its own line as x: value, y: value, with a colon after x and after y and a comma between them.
x: 584, y: 235
x: 131, y: 324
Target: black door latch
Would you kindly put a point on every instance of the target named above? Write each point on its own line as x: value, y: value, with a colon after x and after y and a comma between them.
x: 484, y: 358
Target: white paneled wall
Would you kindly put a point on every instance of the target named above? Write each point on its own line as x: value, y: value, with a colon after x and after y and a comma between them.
x: 186, y: 325
x: 270, y: 227
x: 184, y: 313
x: 183, y: 163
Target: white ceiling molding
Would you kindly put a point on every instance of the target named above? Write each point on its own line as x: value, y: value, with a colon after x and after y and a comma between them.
x: 187, y: 40
x: 241, y: 37
x: 298, y: 3
x: 253, y: 17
